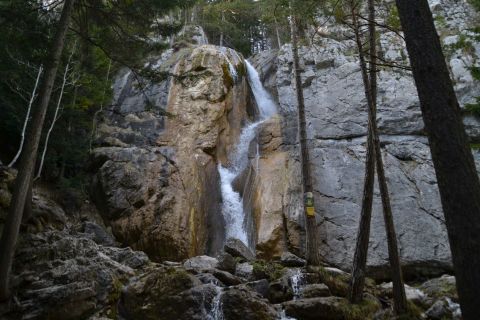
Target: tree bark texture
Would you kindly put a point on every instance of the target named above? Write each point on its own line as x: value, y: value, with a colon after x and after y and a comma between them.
x: 452, y: 158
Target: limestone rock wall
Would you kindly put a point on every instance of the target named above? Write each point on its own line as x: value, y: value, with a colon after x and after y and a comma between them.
x: 337, y: 126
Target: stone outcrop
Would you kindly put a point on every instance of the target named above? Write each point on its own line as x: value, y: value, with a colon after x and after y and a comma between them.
x: 156, y: 181
x: 337, y: 126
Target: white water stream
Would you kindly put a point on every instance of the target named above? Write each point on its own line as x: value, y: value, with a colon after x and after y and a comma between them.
x: 232, y: 209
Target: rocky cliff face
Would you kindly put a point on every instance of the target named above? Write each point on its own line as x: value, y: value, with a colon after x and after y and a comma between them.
x: 156, y: 179
x: 337, y: 126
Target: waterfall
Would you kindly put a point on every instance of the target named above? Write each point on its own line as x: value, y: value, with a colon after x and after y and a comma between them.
x: 264, y: 100
x: 296, y: 280
x: 232, y: 208
x: 216, y: 312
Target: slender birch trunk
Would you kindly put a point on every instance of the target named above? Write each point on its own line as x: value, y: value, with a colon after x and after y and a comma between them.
x: 27, y: 117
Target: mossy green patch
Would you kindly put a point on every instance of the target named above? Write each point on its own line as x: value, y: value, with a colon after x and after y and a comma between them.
x: 361, y: 311
x: 269, y: 270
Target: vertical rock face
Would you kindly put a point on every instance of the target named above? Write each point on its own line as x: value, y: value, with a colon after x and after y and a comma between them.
x: 337, y: 127
x: 156, y: 178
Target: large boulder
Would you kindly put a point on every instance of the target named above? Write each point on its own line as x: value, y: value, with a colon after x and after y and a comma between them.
x: 165, y: 293
x: 245, y: 304
x: 66, y: 275
x: 237, y: 248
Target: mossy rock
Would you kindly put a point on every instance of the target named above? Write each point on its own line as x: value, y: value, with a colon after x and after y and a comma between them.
x: 157, y: 294
x: 269, y: 270
x: 332, y: 308
x: 338, y: 283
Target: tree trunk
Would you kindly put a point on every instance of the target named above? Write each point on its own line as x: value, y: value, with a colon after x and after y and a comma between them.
x: 313, y: 257
x: 55, y: 117
x: 370, y: 84
x: 223, y: 26
x: 277, y: 32
x: 27, y: 117
x: 28, y: 159
x: 452, y: 158
x: 361, y: 249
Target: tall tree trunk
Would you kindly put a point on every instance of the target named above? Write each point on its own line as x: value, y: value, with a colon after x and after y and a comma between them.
x: 277, y: 32
x: 452, y: 158
x: 55, y: 116
x: 27, y: 117
x: 361, y: 249
x: 28, y: 159
x: 370, y: 84
x: 311, y: 223
x: 223, y: 26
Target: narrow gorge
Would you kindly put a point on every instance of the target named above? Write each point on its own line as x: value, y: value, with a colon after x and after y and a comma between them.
x: 194, y: 202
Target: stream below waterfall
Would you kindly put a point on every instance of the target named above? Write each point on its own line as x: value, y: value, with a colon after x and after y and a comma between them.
x: 232, y: 207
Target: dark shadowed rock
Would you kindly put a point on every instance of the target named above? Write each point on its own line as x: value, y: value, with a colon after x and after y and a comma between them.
x: 288, y: 259
x: 226, y: 277
x: 66, y: 275
x: 98, y: 234
x: 237, y: 248
x: 201, y: 263
x: 327, y: 308
x: 164, y: 293
x: 246, y: 305
x: 315, y: 290
x: 226, y: 262
x: 280, y: 290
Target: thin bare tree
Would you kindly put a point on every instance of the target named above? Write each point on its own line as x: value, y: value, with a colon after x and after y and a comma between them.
x: 370, y: 84
x: 27, y: 117
x: 313, y: 256
x: 29, y: 155
x: 56, y: 116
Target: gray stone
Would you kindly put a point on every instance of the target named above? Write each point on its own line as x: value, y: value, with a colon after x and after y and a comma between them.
x: 328, y: 308
x: 444, y: 309
x: 201, y: 263
x: 98, y: 234
x: 315, y: 290
x: 226, y: 262
x: 226, y: 277
x: 237, y: 248
x: 288, y: 259
x: 244, y: 304
x: 336, y: 126
x: 66, y: 275
x: 259, y: 286
x: 280, y: 290
x: 244, y: 270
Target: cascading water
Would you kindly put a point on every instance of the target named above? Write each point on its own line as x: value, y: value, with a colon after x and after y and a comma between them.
x: 216, y: 312
x: 232, y: 209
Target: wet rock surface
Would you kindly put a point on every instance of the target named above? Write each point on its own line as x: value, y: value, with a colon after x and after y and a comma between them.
x: 157, y: 149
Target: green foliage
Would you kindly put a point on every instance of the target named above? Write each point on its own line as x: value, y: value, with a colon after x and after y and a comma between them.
x: 464, y: 44
x: 363, y: 310
x: 441, y: 21
x: 237, y: 20
x: 106, y: 35
x: 393, y: 19
x: 268, y: 269
x: 475, y: 4
x: 474, y: 108
x: 475, y: 71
